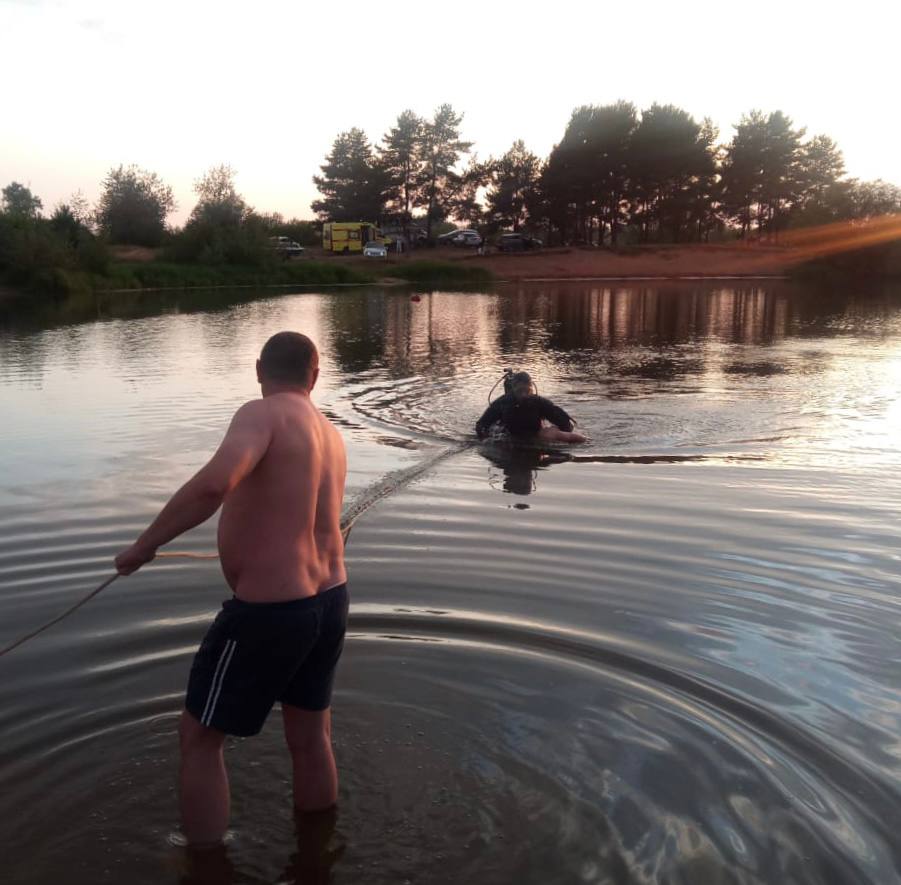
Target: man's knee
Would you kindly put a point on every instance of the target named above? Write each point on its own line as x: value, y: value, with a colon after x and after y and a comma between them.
x: 196, y: 738
x: 306, y: 731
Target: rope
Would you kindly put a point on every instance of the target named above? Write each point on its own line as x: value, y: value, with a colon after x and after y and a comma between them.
x: 384, y: 487
x: 58, y: 618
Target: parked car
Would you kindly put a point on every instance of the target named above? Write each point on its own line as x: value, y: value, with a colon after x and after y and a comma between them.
x: 285, y: 246
x: 460, y: 238
x: 467, y: 239
x: 375, y: 249
x: 517, y: 243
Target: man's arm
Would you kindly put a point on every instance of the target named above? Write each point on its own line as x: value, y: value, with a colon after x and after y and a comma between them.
x: 199, y: 498
x: 554, y: 414
x: 489, y: 416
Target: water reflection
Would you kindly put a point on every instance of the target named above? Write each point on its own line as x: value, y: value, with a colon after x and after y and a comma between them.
x: 520, y: 463
x: 319, y: 848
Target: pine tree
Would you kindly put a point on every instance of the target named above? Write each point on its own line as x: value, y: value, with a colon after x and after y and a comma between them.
x: 353, y: 184
x: 440, y: 148
x: 399, y: 156
x: 513, y: 180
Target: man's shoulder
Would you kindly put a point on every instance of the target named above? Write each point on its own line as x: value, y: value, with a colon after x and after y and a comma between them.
x: 253, y: 410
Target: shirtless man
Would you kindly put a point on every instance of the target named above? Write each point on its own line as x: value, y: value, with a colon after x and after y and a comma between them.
x: 280, y: 472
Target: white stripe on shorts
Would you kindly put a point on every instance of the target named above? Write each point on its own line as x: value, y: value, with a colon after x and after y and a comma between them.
x: 218, y: 678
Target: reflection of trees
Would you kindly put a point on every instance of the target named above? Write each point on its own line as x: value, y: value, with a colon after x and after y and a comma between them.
x: 444, y: 331
x: 577, y: 318
x: 640, y: 329
x: 356, y: 327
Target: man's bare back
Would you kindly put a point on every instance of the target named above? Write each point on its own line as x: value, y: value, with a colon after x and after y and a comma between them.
x: 279, y: 533
x: 279, y: 476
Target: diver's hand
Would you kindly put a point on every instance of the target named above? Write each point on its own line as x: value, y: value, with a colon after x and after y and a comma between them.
x: 130, y: 560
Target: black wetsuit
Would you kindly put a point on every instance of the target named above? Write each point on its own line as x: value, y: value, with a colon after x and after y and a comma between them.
x: 522, y: 417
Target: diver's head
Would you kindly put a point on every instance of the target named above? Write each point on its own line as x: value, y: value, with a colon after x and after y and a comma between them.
x: 520, y: 384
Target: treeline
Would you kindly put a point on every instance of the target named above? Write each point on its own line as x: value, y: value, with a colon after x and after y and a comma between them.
x: 50, y: 253
x: 615, y: 176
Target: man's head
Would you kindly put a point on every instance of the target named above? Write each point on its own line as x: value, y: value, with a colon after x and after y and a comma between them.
x: 520, y: 384
x: 288, y: 359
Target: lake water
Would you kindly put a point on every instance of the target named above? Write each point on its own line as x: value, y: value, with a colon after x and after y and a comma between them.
x: 670, y: 655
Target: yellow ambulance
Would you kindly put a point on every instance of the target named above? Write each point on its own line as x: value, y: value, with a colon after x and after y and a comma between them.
x: 349, y: 236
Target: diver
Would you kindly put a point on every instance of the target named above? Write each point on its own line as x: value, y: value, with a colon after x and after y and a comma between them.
x: 521, y: 411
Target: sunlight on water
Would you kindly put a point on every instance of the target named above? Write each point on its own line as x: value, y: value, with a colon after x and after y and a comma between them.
x: 668, y: 655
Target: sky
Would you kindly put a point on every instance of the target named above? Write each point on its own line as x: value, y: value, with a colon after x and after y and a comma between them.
x: 177, y: 87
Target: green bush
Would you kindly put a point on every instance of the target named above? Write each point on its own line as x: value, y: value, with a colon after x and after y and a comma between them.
x: 204, y: 241
x: 49, y: 255
x: 172, y: 275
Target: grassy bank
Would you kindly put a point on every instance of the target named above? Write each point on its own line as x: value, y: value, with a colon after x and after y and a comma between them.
x: 162, y: 275
x: 168, y: 275
x: 59, y: 283
x: 440, y: 272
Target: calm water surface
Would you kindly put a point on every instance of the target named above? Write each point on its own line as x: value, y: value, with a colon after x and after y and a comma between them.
x: 667, y: 656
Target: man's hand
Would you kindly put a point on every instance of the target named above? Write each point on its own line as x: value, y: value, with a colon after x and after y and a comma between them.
x: 133, y: 558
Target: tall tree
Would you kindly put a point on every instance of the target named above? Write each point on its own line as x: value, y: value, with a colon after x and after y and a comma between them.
x: 81, y: 210
x: 610, y: 138
x: 670, y: 154
x: 870, y: 199
x: 705, y: 188
x: 513, y: 180
x: 587, y: 173
x: 19, y: 201
x: 440, y: 148
x: 762, y: 172
x: 218, y: 200
x: 134, y: 204
x: 556, y: 199
x: 822, y: 196
x: 399, y: 156
x: 462, y: 198
x: 353, y: 184
x: 569, y: 178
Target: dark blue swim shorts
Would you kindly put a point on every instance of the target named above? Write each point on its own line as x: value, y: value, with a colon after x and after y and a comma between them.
x: 257, y: 653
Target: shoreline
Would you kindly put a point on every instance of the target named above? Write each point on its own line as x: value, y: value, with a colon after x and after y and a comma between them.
x: 8, y: 294
x: 448, y: 267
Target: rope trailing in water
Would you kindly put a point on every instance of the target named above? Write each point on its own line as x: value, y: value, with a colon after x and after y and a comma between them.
x: 375, y: 493
x: 23, y: 639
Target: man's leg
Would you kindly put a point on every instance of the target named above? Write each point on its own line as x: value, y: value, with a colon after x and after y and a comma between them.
x: 309, y: 737
x: 203, y: 782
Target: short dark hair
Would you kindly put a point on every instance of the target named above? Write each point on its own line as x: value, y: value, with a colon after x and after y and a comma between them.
x: 288, y: 357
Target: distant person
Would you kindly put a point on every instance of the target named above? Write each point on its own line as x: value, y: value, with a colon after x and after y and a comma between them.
x: 280, y: 474
x: 521, y: 412
x: 399, y: 245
